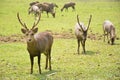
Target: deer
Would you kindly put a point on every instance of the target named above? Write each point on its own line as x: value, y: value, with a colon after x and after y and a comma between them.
x: 37, y: 43
x: 38, y: 8
x: 109, y: 28
x: 81, y: 33
x: 47, y: 8
x: 35, y: 10
x: 67, y: 5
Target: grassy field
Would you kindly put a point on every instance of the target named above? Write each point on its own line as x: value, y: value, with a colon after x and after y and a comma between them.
x: 102, y: 61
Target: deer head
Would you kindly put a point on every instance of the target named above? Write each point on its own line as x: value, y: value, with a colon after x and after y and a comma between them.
x: 29, y: 33
x: 81, y: 26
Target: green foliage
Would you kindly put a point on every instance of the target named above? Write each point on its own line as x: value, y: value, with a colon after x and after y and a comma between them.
x: 102, y: 61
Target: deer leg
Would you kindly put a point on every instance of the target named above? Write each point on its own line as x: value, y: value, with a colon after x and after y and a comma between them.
x: 78, y: 41
x: 66, y: 9
x: 46, y: 66
x: 111, y: 39
x: 83, y: 45
x: 32, y: 63
x: 47, y: 14
x: 104, y: 36
x: 62, y: 9
x: 73, y: 8
x: 49, y: 57
x: 108, y: 38
x: 39, y: 58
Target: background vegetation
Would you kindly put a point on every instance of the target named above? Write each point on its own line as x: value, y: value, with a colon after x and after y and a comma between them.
x: 102, y: 61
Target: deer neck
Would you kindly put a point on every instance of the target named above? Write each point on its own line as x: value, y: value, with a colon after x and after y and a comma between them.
x: 112, y: 33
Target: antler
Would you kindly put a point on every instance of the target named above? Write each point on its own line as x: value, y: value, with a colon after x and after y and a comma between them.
x: 35, y: 24
x: 89, y: 22
x: 24, y: 25
x: 79, y: 23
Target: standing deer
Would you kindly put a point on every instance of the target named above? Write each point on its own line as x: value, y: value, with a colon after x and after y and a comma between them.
x: 47, y: 8
x: 37, y: 43
x: 67, y: 5
x: 109, y: 28
x: 35, y: 10
x: 81, y: 33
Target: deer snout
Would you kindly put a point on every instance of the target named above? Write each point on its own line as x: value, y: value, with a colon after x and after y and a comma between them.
x: 29, y: 40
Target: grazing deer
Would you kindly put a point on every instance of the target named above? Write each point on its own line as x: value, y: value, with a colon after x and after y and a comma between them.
x: 109, y: 28
x: 67, y: 5
x: 37, y: 43
x: 81, y: 33
x: 35, y: 10
x: 47, y: 8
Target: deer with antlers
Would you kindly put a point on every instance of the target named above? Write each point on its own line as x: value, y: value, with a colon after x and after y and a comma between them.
x: 37, y: 43
x: 81, y: 33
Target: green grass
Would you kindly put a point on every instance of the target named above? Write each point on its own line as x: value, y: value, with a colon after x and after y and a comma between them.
x: 63, y: 21
x: 102, y: 61
x: 99, y: 63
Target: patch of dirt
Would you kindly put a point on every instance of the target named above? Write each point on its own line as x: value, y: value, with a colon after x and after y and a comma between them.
x: 64, y: 35
x: 12, y: 38
x: 95, y: 36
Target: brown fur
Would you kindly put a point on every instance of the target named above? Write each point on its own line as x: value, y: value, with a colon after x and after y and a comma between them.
x: 33, y: 3
x: 109, y: 28
x: 81, y: 33
x: 46, y: 8
x: 51, y: 5
x: 37, y: 43
x: 67, y: 5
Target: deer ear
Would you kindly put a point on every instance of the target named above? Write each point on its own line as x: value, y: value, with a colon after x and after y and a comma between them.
x: 23, y: 30
x: 35, y: 30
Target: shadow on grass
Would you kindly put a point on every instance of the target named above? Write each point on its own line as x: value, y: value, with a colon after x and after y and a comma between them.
x: 90, y: 53
x: 45, y: 75
x: 116, y: 44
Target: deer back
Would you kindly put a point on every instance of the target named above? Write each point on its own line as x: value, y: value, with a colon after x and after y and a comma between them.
x: 69, y: 4
x: 107, y: 26
x: 44, y: 41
